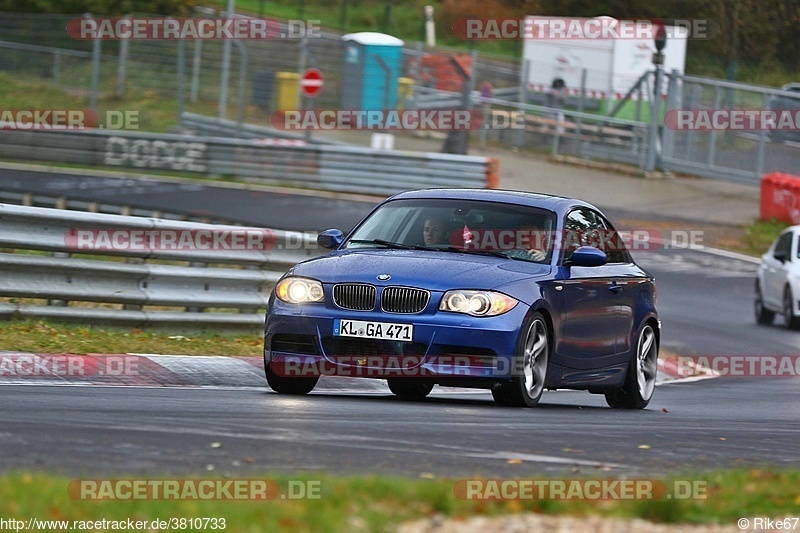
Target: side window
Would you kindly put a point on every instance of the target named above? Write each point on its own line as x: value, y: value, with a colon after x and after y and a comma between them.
x: 612, y: 243
x: 580, y: 226
x: 784, y: 245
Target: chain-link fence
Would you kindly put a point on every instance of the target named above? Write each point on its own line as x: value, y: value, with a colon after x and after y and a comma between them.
x: 564, y: 109
x: 733, y: 153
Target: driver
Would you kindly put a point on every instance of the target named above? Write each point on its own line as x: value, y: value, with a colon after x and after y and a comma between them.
x: 434, y: 232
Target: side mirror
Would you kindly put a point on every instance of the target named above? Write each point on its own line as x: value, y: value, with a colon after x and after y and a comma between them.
x: 780, y: 256
x: 330, y: 238
x: 587, y: 256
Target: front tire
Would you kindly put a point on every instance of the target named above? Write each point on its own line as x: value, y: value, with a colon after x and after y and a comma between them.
x: 763, y: 315
x: 289, y: 385
x: 640, y: 382
x: 530, y: 366
x: 792, y: 321
x: 410, y: 389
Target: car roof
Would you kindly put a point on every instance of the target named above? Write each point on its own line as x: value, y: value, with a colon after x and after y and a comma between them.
x: 558, y: 204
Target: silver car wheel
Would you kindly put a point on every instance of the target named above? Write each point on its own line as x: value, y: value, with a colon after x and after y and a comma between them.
x: 535, y: 358
x: 647, y: 365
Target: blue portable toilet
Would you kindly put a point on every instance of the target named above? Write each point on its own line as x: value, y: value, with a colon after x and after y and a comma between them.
x: 372, y: 64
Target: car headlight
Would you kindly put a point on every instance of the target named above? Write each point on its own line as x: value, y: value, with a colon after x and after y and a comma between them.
x: 477, y: 303
x: 294, y: 290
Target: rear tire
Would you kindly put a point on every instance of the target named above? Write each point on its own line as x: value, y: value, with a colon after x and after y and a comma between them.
x: 763, y: 315
x: 530, y: 366
x: 641, y: 379
x: 410, y: 389
x: 289, y: 385
x: 792, y: 321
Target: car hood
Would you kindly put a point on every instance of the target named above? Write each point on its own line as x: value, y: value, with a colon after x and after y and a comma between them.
x: 419, y: 268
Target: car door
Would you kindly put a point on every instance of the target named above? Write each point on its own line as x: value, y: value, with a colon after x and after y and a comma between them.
x: 626, y: 284
x: 776, y: 271
x: 591, y: 322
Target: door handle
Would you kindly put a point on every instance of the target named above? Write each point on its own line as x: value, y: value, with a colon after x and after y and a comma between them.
x: 615, y: 288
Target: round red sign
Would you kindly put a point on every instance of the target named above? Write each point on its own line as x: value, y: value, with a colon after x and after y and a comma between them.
x: 311, y: 82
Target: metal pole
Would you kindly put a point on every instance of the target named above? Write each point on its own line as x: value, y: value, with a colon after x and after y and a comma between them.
x: 343, y: 15
x: 301, y: 100
x: 652, y: 138
x: 579, y: 122
x: 712, y: 149
x: 195, y: 90
x: 122, y: 67
x: 226, y: 63
x: 243, y: 60
x: 762, y: 145
x: 56, y: 68
x: 96, y: 49
x: 668, y: 144
x: 523, y: 82
x: 181, y: 75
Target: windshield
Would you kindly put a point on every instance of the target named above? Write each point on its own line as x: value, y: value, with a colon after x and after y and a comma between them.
x: 459, y: 226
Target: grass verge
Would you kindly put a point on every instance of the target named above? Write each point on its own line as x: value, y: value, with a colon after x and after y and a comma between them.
x: 759, y: 235
x: 379, y: 503
x: 43, y: 337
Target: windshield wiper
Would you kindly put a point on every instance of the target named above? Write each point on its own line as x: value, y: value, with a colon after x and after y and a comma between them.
x: 477, y: 252
x: 392, y: 245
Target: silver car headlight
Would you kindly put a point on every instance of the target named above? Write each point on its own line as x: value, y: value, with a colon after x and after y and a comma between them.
x: 294, y: 290
x: 477, y: 303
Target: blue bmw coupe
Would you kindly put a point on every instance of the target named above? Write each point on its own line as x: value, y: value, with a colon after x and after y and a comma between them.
x: 508, y: 291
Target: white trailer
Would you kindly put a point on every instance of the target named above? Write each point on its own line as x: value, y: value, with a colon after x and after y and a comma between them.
x: 612, y: 65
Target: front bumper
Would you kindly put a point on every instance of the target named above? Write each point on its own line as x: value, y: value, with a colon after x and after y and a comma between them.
x: 444, y: 345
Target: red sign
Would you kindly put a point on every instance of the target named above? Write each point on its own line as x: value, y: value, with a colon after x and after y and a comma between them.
x: 311, y: 83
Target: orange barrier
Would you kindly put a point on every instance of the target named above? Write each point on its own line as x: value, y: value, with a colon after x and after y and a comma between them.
x: 780, y: 197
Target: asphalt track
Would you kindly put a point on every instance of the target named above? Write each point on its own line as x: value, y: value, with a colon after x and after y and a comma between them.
x: 705, y: 302
x: 276, y: 210
x: 710, y: 424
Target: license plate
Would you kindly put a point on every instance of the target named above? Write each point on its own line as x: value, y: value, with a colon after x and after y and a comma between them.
x: 373, y: 330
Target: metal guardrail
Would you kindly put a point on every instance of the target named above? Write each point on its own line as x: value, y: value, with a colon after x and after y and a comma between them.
x: 72, y: 204
x: 204, y: 126
x: 239, y: 280
x: 335, y: 168
x: 568, y: 132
